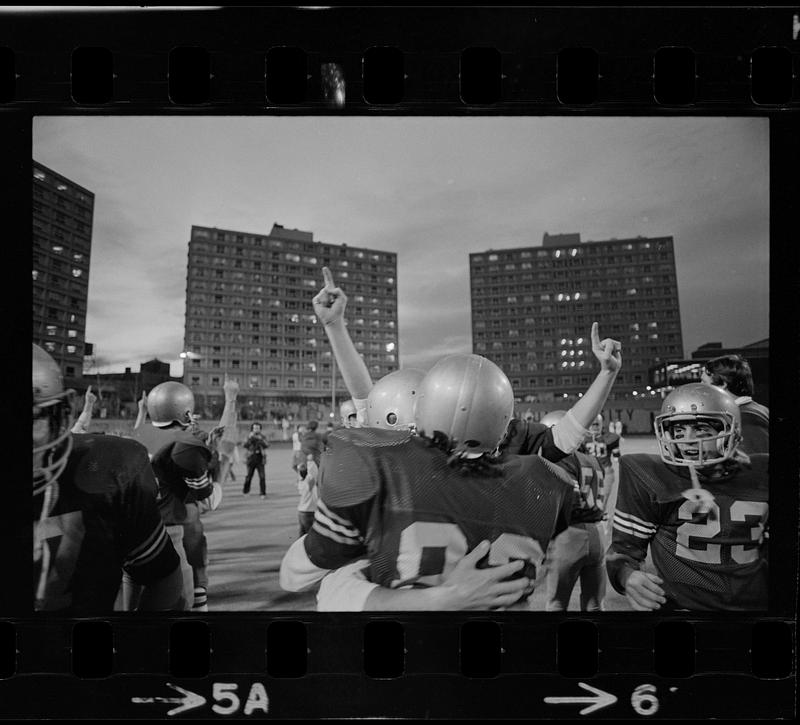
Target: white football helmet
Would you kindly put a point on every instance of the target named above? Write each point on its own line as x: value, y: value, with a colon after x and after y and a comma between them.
x: 52, y: 421
x: 698, y: 403
x: 468, y: 399
x: 391, y: 402
x: 349, y: 414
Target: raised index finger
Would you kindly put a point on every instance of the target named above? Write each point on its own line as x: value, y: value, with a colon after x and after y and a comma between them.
x: 89, y: 390
x: 327, y: 275
x: 595, y: 335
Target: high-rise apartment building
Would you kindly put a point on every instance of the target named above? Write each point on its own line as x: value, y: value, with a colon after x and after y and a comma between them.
x: 533, y: 308
x: 249, y: 314
x: 62, y: 244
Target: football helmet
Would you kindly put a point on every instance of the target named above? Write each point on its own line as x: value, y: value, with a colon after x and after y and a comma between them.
x: 169, y: 403
x: 52, y: 421
x: 390, y: 403
x: 346, y: 411
x: 551, y: 418
x: 698, y: 403
x: 468, y: 399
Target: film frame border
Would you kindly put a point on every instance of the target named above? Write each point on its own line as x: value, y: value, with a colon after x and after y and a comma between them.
x: 39, y: 641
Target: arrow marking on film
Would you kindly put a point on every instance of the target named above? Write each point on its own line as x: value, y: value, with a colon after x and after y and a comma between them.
x: 189, y: 701
x: 600, y: 699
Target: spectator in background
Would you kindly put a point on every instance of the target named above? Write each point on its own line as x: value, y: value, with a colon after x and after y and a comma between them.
x: 256, y: 446
x: 733, y: 373
x: 312, y: 442
x: 307, y: 488
x: 297, y: 446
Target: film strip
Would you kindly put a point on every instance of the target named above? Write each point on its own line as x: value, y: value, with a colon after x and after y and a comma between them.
x: 460, y: 62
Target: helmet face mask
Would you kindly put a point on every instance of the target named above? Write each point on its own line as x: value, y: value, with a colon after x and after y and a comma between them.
x: 468, y: 399
x: 348, y: 414
x: 699, y: 425
x: 52, y: 421
x: 392, y: 400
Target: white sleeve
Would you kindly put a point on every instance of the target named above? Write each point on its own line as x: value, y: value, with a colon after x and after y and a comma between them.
x: 297, y: 571
x: 346, y: 589
x: 568, y: 434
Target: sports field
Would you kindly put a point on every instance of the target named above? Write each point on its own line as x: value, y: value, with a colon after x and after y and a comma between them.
x: 248, y: 536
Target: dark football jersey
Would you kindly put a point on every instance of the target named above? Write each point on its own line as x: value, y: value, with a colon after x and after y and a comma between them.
x: 603, y: 447
x: 181, y: 469
x: 709, y: 561
x: 391, y: 497
x: 104, y: 520
x: 587, y: 477
x: 524, y: 437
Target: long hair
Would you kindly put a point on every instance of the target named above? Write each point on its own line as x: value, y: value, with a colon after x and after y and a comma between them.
x: 486, y: 465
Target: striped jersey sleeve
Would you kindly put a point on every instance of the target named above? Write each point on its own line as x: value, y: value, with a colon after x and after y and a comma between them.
x: 634, y: 525
x: 148, y: 553
x: 337, y: 535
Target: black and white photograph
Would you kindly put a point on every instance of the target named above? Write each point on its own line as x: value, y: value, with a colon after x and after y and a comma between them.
x: 301, y: 363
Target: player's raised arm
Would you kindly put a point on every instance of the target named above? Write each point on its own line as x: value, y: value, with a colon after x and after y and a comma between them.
x: 227, y: 424
x: 82, y: 424
x: 569, y: 432
x: 329, y: 305
x: 142, y: 415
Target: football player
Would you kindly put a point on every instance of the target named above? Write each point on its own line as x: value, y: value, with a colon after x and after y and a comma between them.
x: 181, y: 466
x: 701, y: 509
x: 578, y: 553
x: 732, y: 373
x: 522, y: 436
x: 415, y: 504
x: 95, y: 512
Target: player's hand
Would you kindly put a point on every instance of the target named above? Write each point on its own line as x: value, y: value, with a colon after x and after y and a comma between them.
x: 643, y: 591
x: 143, y: 401
x: 468, y: 587
x: 330, y: 301
x: 89, y: 399
x: 231, y: 388
x: 608, y: 351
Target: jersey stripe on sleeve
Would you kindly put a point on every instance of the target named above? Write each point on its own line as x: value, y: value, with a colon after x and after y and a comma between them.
x: 629, y: 524
x: 149, y: 549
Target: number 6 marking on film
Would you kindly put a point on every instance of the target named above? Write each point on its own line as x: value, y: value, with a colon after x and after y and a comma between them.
x: 644, y: 700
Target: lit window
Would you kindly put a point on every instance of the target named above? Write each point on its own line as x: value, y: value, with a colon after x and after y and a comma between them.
x: 61, y: 187
x: 77, y: 272
x: 72, y: 349
x: 57, y: 248
x: 560, y: 297
x: 72, y: 333
x: 51, y: 330
x: 492, y: 257
x: 50, y: 346
x: 39, y: 175
x: 631, y: 291
x: 557, y: 253
x: 573, y: 252
x: 577, y: 295
x: 35, y: 274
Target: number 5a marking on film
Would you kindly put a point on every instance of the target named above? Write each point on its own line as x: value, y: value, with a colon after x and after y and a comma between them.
x: 450, y: 540
x: 228, y: 702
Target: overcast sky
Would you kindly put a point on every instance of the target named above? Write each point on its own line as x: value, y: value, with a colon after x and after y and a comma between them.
x: 431, y: 189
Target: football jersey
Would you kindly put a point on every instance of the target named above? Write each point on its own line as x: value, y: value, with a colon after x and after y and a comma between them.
x: 390, y: 496
x: 181, y: 469
x: 104, y: 520
x: 709, y: 561
x: 587, y: 477
x: 602, y: 446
